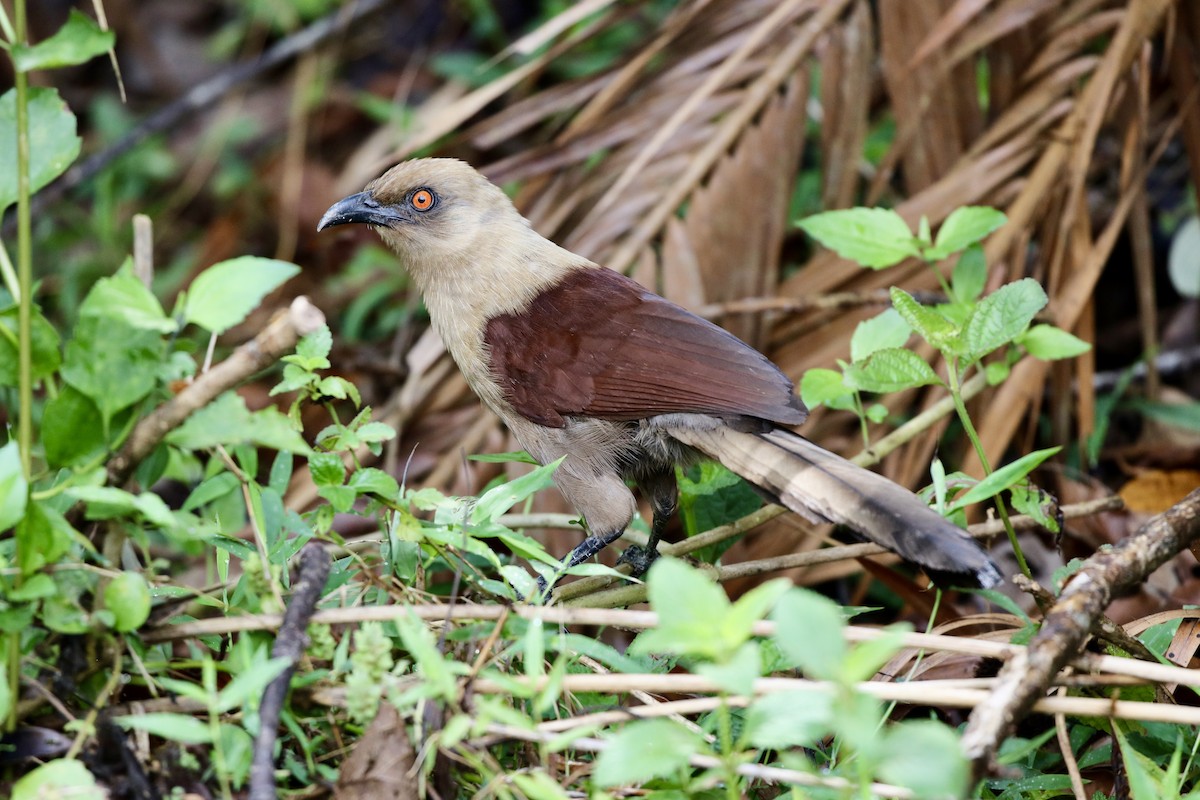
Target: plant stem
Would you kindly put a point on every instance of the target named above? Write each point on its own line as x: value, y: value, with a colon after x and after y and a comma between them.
x: 961, y: 408
x: 727, y: 756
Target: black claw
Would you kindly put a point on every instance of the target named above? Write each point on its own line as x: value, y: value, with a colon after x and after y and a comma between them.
x: 638, y: 558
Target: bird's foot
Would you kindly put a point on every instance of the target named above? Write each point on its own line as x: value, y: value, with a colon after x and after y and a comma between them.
x: 638, y: 558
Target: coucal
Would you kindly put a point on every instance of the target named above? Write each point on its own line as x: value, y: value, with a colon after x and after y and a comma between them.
x: 583, y: 362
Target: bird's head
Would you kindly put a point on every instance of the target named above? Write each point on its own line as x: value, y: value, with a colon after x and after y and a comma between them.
x: 428, y: 210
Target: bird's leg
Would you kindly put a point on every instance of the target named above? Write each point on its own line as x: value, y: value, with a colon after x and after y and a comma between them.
x: 664, y: 498
x: 589, y: 547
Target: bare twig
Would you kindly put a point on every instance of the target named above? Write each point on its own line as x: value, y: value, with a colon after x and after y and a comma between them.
x: 1107, y: 574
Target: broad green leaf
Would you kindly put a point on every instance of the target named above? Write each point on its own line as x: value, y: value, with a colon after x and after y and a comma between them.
x: 890, y: 371
x: 1050, y: 343
x: 737, y: 674
x: 970, y: 275
x: 44, y: 343
x: 126, y: 298
x: 690, y: 610
x: 128, y: 598
x: 61, y: 779
x: 1003, y: 478
x: 864, y: 659
x: 176, y: 727
x: 77, y: 42
x: 109, y: 502
x: 327, y: 469
x: 926, y: 321
x: 1002, y: 316
x: 370, y: 480
x: 211, y: 489
x: 881, y: 332
x: 72, y: 430
x: 537, y: 785
x: 499, y: 499
x: 14, y: 489
x: 925, y: 756
x: 872, y: 237
x: 225, y: 293
x: 824, y: 387
x: 794, y: 718
x: 808, y: 630
x: 112, y: 363
x: 643, y: 750
x: 227, y: 421
x: 964, y: 227
x: 53, y: 143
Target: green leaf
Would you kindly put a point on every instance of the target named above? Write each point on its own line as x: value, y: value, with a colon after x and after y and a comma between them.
x: 77, y: 42
x: 227, y: 421
x: 737, y: 674
x: 516, y: 457
x: 375, y: 432
x: 44, y: 342
x: 881, y: 332
x: 925, y: 756
x: 690, y: 609
x: 499, y: 499
x: 53, y: 143
x: 225, y: 293
x: 250, y: 684
x: 72, y: 430
x: 1035, y: 503
x: 1002, y: 316
x: 796, y: 718
x: 1050, y: 343
x: 211, y: 489
x: 1003, y: 478
x: 926, y: 321
x: 872, y: 237
x: 45, y: 535
x: 643, y: 750
x: 41, y: 585
x: 176, y: 727
x: 808, y: 630
x: 61, y: 779
x: 824, y: 387
x: 316, y: 346
x: 964, y: 227
x: 112, y: 363
x: 128, y: 598
x: 327, y: 469
x: 890, y: 371
x: 970, y: 275
x: 109, y: 502
x: 126, y: 298
x: 864, y: 659
x: 370, y: 480
x: 14, y: 489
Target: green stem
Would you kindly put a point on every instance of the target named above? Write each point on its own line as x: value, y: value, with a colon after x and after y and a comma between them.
x: 961, y: 408
x: 24, y: 327
x: 732, y: 790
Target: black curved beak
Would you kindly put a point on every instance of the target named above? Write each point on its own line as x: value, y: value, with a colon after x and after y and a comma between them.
x: 361, y: 207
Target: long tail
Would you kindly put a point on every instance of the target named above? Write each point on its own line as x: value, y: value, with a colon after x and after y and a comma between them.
x: 824, y: 487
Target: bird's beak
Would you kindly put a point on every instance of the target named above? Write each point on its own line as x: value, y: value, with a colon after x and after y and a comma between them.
x: 361, y: 207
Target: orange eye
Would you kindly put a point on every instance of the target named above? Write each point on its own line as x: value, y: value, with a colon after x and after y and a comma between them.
x: 422, y: 200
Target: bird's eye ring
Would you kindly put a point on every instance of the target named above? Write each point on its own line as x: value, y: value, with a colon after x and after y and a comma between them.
x: 423, y: 199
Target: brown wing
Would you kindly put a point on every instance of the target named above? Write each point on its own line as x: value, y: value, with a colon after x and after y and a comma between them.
x: 599, y: 345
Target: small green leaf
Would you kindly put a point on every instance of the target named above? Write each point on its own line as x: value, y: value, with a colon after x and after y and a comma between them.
x: 516, y: 457
x: 690, y: 609
x: 499, y: 499
x: 14, y: 489
x: 225, y: 293
x: 77, y: 42
x: 61, y: 779
x: 53, y: 143
x: 112, y: 363
x: 925, y: 756
x: 881, y: 332
x: 1050, y: 343
x: 128, y: 598
x: 824, y: 387
x: 44, y: 346
x: 890, y: 371
x: 737, y: 674
x: 126, y: 298
x: 249, y: 684
x: 176, y: 727
x: 872, y: 237
x: 643, y: 750
x: 1002, y: 316
x: 45, y: 535
x: 1003, y: 478
x: 970, y: 275
x: 964, y: 227
x: 72, y: 429
x: 227, y: 421
x: 927, y: 322
x: 808, y: 630
x: 796, y: 718
x: 370, y: 480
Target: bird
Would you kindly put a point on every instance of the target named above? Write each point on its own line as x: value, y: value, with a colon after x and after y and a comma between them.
x: 585, y: 364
